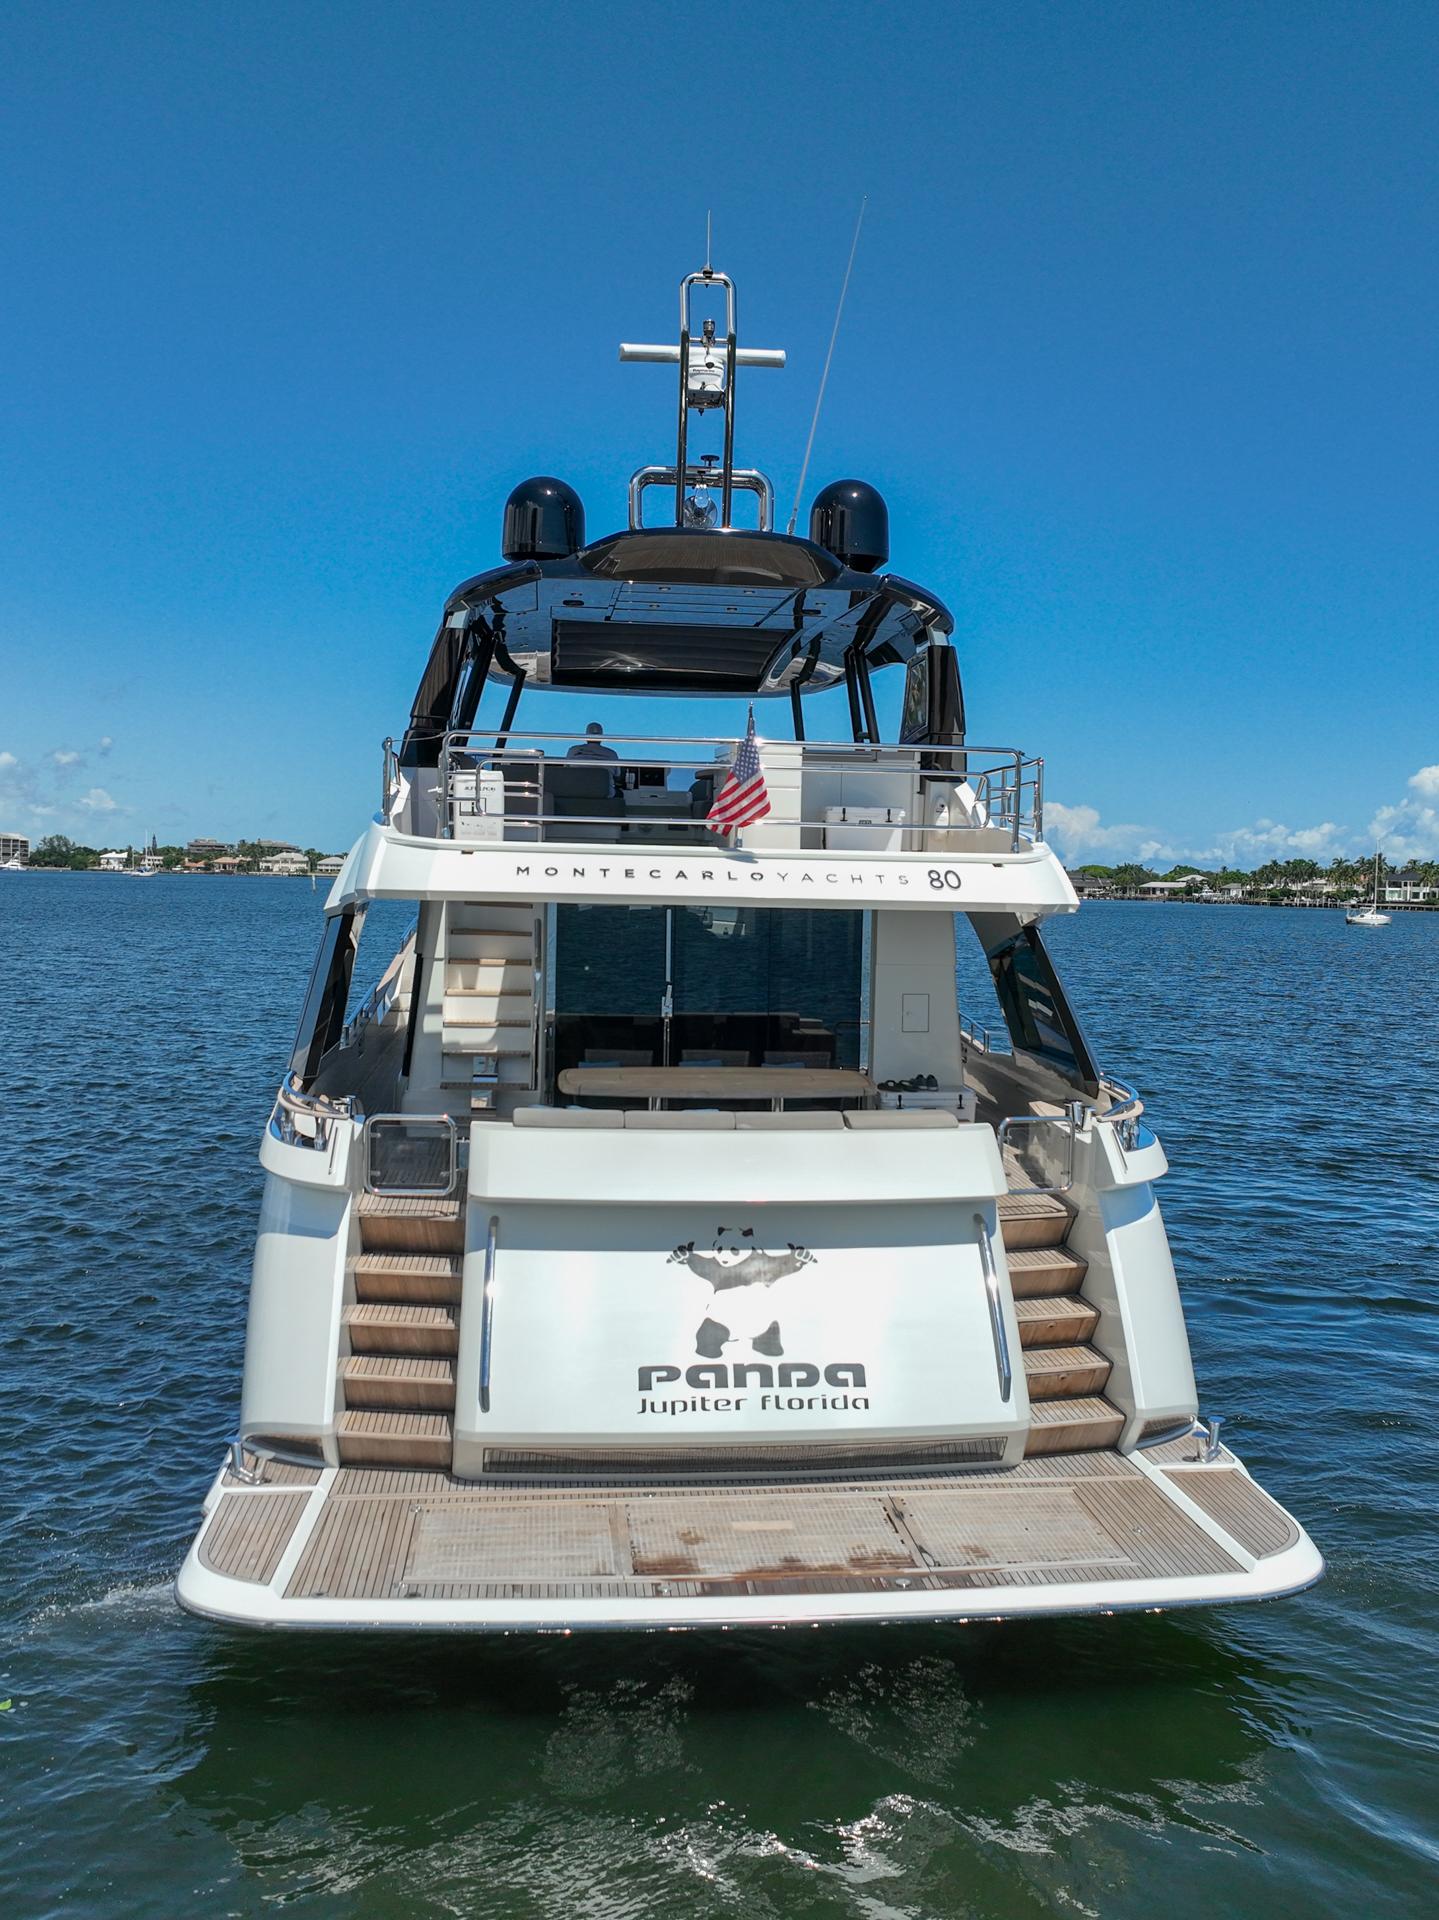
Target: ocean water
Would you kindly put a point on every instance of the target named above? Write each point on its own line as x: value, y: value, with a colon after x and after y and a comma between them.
x: 1273, y: 1760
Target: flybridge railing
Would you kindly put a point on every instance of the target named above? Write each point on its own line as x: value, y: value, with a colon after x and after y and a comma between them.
x: 529, y: 786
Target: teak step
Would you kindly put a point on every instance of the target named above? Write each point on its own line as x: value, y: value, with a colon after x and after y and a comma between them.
x: 429, y: 1278
x: 396, y: 1439
x: 491, y: 943
x: 414, y: 1382
x: 487, y: 1010
x: 513, y: 1040
x: 1064, y: 1373
x: 1072, y: 1426
x: 496, y: 975
x: 1038, y: 1272
x: 1062, y: 1320
x: 412, y: 1226
x: 402, y: 1327
x: 1033, y: 1220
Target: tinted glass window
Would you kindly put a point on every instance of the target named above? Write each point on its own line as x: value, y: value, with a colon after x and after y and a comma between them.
x: 322, y: 1019
x: 914, y: 717
x: 1036, y: 1011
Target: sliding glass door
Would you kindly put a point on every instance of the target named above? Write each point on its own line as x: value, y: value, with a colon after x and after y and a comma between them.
x: 724, y: 986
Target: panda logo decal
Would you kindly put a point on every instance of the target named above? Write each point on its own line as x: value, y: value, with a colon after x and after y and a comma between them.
x: 742, y: 1277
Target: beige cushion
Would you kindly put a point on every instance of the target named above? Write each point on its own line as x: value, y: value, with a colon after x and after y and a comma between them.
x: 568, y: 1117
x: 692, y: 1120
x: 881, y: 1118
x: 790, y: 1122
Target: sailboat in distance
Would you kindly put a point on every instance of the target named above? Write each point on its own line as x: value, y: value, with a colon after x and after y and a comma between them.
x: 1369, y: 916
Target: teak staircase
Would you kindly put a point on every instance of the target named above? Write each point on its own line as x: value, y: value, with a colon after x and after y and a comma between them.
x: 1065, y: 1375
x: 399, y: 1377
x: 488, y: 1011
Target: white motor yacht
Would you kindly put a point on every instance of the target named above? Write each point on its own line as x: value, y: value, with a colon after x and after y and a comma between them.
x: 660, y: 1243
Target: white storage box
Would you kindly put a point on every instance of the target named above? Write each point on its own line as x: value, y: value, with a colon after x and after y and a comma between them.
x: 959, y: 1101
x: 477, y: 803
x: 864, y: 829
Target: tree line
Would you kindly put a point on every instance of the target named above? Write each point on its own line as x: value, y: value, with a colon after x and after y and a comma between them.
x: 1345, y: 874
x: 56, y: 850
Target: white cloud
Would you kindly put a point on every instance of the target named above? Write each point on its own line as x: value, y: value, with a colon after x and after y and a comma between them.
x: 1266, y: 840
x: 65, y: 757
x: 1426, y: 781
x: 8, y: 762
x: 103, y: 745
x: 1079, y: 833
x: 98, y: 801
x: 1079, y: 830
x: 1409, y: 831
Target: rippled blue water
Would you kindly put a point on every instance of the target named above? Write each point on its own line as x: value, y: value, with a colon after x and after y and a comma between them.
x: 1276, y: 1760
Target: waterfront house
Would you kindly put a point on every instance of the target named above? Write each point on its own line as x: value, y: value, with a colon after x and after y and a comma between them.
x: 330, y: 864
x: 1409, y: 889
x: 1172, y: 889
x: 14, y: 850
x: 288, y: 863
x: 113, y: 861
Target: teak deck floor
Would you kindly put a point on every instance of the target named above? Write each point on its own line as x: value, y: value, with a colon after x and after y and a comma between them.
x: 412, y: 1534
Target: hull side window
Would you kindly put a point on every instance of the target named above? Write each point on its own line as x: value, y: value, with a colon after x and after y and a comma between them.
x: 1037, y: 1011
x: 322, y: 1019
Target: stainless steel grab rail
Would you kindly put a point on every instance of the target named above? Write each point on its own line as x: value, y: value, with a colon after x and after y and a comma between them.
x: 301, y: 1119
x: 487, y: 1311
x: 1072, y: 1120
x: 1002, y: 1362
x: 1204, y: 1426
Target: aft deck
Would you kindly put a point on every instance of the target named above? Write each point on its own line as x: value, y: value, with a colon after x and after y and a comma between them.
x: 1101, y: 1531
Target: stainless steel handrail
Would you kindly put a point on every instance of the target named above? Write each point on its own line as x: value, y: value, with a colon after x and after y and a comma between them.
x: 996, y: 1308
x: 1015, y: 756
x: 487, y: 1310
x: 1203, y: 1427
x: 1123, y: 1116
x: 241, y: 1444
x: 743, y: 479
x: 1006, y: 793
x: 293, y: 1103
x: 976, y: 1034
x: 1070, y: 1120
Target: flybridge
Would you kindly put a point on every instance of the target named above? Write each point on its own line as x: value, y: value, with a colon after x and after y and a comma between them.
x: 697, y: 605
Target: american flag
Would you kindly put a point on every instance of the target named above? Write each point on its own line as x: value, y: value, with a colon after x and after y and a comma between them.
x: 742, y: 798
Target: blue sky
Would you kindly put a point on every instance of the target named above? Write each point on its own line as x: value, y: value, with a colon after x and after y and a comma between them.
x: 1140, y: 346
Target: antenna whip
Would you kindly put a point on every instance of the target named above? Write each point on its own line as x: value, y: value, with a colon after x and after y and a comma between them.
x: 824, y: 376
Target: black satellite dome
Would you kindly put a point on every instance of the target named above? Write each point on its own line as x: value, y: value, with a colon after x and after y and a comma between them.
x: 850, y: 520
x: 544, y: 520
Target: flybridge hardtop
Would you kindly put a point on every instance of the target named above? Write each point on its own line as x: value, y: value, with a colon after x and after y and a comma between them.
x: 697, y: 606
x: 660, y: 1241
x: 668, y: 610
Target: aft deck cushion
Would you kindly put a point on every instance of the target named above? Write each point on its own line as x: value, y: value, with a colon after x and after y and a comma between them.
x: 691, y: 1119
x: 790, y: 1122
x: 568, y: 1117
x: 881, y: 1119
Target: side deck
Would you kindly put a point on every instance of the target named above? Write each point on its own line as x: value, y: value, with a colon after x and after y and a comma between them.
x: 1098, y: 1532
